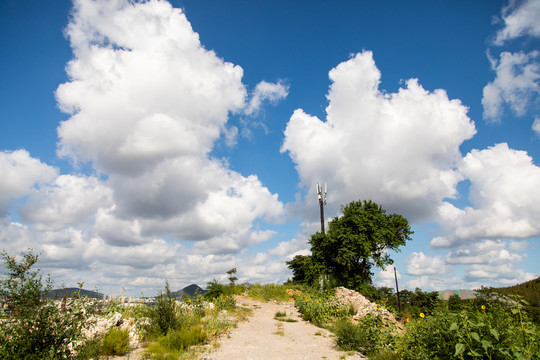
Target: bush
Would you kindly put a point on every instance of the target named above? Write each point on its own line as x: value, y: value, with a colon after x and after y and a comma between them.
x: 268, y: 291
x: 349, y: 337
x: 184, y: 338
x: 37, y: 328
x: 493, y: 331
x: 215, y: 290
x: 176, y: 342
x: 164, y: 315
x: 116, y: 342
x: 371, y: 335
x: 224, y: 302
x: 319, y: 309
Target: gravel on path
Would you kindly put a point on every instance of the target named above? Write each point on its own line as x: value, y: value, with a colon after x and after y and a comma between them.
x: 262, y: 337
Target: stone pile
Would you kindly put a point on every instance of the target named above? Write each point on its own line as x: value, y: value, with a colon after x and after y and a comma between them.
x: 362, y: 305
x: 101, y: 324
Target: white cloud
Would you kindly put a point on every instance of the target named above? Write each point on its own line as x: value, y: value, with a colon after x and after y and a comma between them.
x: 504, y: 274
x: 20, y: 174
x: 148, y: 102
x: 287, y: 250
x: 484, y: 252
x: 421, y: 265
x: 517, y: 82
x: 520, y: 19
x: 517, y: 74
x: 142, y: 88
x: 265, y: 91
x: 70, y: 201
x: 386, y: 277
x: 536, y: 126
x: 398, y: 149
x: 503, y: 191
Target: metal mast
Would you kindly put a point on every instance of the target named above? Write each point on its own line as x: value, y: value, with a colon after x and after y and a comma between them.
x: 321, y: 194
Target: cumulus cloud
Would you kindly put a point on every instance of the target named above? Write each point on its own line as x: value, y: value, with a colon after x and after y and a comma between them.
x: 484, y: 252
x: 520, y: 18
x: 386, y: 277
x: 69, y: 201
x: 398, y: 149
x: 516, y: 83
x: 287, y: 250
x: 265, y: 91
x: 147, y: 104
x: 503, y: 192
x: 517, y: 74
x: 420, y: 264
x: 20, y: 175
x: 536, y: 126
x: 505, y: 274
x: 142, y: 88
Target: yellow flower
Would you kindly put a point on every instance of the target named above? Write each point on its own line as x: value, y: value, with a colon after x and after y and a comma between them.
x: 422, y: 315
x: 408, y: 320
x: 483, y: 307
x: 378, y: 307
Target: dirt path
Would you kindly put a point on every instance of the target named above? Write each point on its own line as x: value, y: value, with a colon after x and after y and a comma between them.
x: 262, y: 337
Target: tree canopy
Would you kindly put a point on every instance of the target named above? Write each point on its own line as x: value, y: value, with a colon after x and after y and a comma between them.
x: 355, y: 241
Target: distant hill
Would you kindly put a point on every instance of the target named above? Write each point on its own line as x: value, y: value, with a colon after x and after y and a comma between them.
x: 190, y: 290
x: 530, y: 291
x: 59, y: 293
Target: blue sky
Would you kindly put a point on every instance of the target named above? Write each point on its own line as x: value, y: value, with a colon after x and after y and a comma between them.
x: 177, y: 140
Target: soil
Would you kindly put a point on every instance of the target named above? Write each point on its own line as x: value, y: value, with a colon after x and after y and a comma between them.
x: 262, y: 337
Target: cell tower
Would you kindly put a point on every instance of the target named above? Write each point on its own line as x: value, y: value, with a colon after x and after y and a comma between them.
x: 321, y: 194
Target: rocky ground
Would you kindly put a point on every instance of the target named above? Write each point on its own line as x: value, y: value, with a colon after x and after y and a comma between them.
x: 263, y: 337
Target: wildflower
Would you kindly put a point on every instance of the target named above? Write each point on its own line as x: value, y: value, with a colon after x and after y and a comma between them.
x: 422, y: 315
x: 408, y: 320
x: 378, y: 307
x: 483, y: 307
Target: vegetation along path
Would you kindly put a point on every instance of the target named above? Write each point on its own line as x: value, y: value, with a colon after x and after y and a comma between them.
x: 276, y: 331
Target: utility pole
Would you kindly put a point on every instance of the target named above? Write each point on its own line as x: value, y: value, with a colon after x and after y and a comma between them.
x: 397, y: 290
x: 321, y: 194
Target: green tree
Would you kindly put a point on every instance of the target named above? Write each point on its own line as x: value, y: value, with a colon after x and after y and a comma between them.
x: 357, y: 240
x: 305, y: 271
x: 164, y: 314
x: 37, y: 328
x: 232, y: 277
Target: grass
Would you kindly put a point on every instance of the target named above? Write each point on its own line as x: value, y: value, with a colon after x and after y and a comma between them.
x: 268, y: 292
x: 280, y: 331
x: 282, y: 316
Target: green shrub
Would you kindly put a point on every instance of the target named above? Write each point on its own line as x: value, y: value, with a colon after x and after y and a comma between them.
x: 371, y: 335
x: 494, y: 331
x: 268, y: 292
x: 184, y: 338
x: 116, y: 341
x: 320, y: 309
x: 90, y: 349
x: 349, y: 337
x: 164, y: 314
x: 37, y: 328
x: 215, y: 290
x: 224, y: 302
